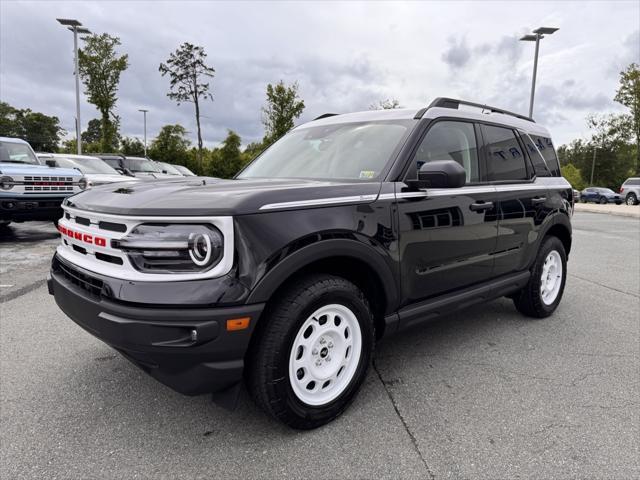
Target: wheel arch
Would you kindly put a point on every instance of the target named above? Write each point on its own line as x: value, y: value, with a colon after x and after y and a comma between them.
x: 359, y: 263
x: 561, y: 228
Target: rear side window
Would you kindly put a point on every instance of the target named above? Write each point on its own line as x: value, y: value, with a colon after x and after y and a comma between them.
x: 545, y: 145
x: 112, y: 162
x: 449, y: 140
x: 632, y: 181
x: 505, y: 158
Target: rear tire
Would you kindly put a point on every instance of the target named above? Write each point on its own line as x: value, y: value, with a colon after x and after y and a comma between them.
x: 602, y: 201
x: 543, y: 293
x: 631, y: 199
x: 313, y: 352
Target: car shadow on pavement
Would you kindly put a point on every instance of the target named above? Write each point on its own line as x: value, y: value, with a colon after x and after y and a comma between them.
x: 30, y: 232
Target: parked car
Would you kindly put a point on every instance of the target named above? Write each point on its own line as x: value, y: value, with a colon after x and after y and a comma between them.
x: 347, y: 229
x: 169, y: 169
x: 29, y: 189
x: 600, y: 195
x: 630, y: 191
x: 185, y: 171
x: 140, y: 167
x: 576, y: 195
x: 95, y: 171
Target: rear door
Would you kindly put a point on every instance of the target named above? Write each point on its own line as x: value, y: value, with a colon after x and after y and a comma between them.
x: 522, y: 199
x: 446, y: 235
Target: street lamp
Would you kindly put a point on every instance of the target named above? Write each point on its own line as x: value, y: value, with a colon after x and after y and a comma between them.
x: 76, y: 27
x: 539, y: 34
x: 144, y: 112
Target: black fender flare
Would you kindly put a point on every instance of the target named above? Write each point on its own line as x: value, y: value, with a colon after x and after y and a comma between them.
x: 321, y: 250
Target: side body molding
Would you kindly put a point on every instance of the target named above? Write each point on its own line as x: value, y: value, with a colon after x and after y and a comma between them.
x: 326, y: 249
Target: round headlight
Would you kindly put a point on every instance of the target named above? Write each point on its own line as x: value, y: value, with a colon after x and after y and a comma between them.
x: 200, y: 248
x: 82, y: 183
x: 6, y: 183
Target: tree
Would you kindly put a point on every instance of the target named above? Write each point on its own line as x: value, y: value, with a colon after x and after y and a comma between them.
x: 628, y: 94
x: 188, y: 72
x: 93, y: 133
x: 227, y: 160
x: 170, y: 145
x: 42, y: 131
x: 100, y: 68
x: 573, y: 176
x: 387, y: 104
x: 282, y: 108
x: 131, y: 146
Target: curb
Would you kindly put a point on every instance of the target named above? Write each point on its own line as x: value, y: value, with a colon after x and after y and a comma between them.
x: 618, y: 210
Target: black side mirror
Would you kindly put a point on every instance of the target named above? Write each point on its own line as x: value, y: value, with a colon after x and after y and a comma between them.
x: 165, y: 172
x: 439, y: 174
x: 128, y: 172
x: 51, y: 163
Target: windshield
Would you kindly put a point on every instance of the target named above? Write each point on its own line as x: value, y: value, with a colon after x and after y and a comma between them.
x: 338, y: 151
x: 185, y: 171
x: 170, y: 169
x: 141, y: 165
x: 17, y: 153
x: 86, y: 165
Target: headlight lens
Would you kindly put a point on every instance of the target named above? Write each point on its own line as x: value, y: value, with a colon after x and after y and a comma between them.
x: 6, y: 183
x: 173, y: 248
x: 82, y: 183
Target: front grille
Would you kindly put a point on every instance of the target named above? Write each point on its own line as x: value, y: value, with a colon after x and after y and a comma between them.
x: 89, y: 284
x: 48, y: 184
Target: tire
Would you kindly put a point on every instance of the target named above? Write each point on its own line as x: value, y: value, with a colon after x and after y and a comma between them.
x: 531, y: 301
x: 631, y: 199
x: 602, y: 200
x: 284, y: 362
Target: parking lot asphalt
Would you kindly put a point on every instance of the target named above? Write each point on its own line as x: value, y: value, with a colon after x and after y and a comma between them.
x: 484, y: 393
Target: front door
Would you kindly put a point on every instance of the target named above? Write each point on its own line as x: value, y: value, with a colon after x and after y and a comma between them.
x: 446, y: 236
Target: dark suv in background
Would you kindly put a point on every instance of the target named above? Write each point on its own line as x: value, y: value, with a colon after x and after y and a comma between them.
x: 349, y: 228
x: 133, y: 166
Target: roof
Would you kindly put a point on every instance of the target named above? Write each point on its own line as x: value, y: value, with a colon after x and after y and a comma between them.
x: 431, y: 113
x: 13, y: 140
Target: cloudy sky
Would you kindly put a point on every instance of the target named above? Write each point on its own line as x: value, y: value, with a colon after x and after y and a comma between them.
x: 345, y: 56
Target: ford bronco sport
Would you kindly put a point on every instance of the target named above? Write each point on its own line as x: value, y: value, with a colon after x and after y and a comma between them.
x: 349, y: 228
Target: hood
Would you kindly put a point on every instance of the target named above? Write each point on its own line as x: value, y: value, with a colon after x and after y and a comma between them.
x: 28, y: 169
x: 213, y: 197
x: 100, y: 178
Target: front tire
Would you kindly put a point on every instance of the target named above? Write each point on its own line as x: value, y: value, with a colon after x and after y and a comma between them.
x: 602, y: 200
x: 313, y: 351
x: 542, y: 294
x: 631, y: 199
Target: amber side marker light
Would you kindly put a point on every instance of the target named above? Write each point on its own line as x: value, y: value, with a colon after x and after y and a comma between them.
x: 238, y: 324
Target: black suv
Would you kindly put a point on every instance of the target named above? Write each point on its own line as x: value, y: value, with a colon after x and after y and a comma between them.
x: 349, y: 228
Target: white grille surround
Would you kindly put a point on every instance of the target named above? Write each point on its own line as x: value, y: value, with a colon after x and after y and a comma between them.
x: 44, y: 184
x: 91, y: 262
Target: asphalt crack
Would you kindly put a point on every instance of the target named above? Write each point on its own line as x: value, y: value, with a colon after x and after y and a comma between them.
x: 23, y: 290
x: 412, y: 437
x: 604, y: 286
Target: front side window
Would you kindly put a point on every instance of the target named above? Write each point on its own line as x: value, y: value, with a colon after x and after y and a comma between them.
x: 354, y: 151
x: 141, y: 165
x: 17, y: 153
x: 505, y: 159
x: 449, y: 140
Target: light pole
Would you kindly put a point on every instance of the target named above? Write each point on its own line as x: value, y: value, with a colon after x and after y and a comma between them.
x: 76, y: 27
x: 144, y: 113
x: 539, y: 34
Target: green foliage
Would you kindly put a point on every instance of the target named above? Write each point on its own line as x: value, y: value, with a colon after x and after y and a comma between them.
x: 131, y: 147
x: 41, y: 131
x: 227, y: 160
x: 387, y: 104
x: 93, y: 133
x: 186, y: 68
x: 100, y: 69
x: 282, y: 108
x: 170, y: 145
x: 573, y: 176
x: 628, y: 94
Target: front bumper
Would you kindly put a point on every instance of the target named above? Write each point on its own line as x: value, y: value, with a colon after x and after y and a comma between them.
x: 160, y: 340
x: 22, y: 208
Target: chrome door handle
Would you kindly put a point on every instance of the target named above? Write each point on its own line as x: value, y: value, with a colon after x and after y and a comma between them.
x: 477, y: 207
x: 538, y: 200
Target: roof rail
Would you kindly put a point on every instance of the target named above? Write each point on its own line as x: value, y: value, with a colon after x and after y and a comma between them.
x: 444, y: 102
x: 325, y: 115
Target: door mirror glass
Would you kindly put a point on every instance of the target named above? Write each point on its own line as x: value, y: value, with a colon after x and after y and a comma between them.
x: 440, y: 174
x: 51, y: 163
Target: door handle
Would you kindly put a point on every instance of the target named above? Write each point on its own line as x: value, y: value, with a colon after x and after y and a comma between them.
x: 538, y: 200
x: 477, y: 207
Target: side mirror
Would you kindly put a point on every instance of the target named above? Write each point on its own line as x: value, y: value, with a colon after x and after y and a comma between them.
x: 165, y: 172
x: 128, y: 172
x: 51, y: 163
x: 439, y: 174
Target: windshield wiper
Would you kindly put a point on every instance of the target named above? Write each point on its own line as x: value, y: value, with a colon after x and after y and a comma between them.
x: 17, y: 161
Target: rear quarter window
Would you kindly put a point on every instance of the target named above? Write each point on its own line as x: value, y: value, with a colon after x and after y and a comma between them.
x: 548, y: 151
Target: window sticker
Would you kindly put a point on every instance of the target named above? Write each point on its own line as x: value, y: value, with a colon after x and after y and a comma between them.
x: 367, y: 173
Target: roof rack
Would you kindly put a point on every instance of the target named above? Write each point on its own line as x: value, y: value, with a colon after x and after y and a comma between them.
x: 444, y: 102
x: 325, y: 115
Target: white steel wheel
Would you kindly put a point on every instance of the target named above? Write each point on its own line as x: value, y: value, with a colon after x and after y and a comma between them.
x: 551, y: 278
x: 325, y: 354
